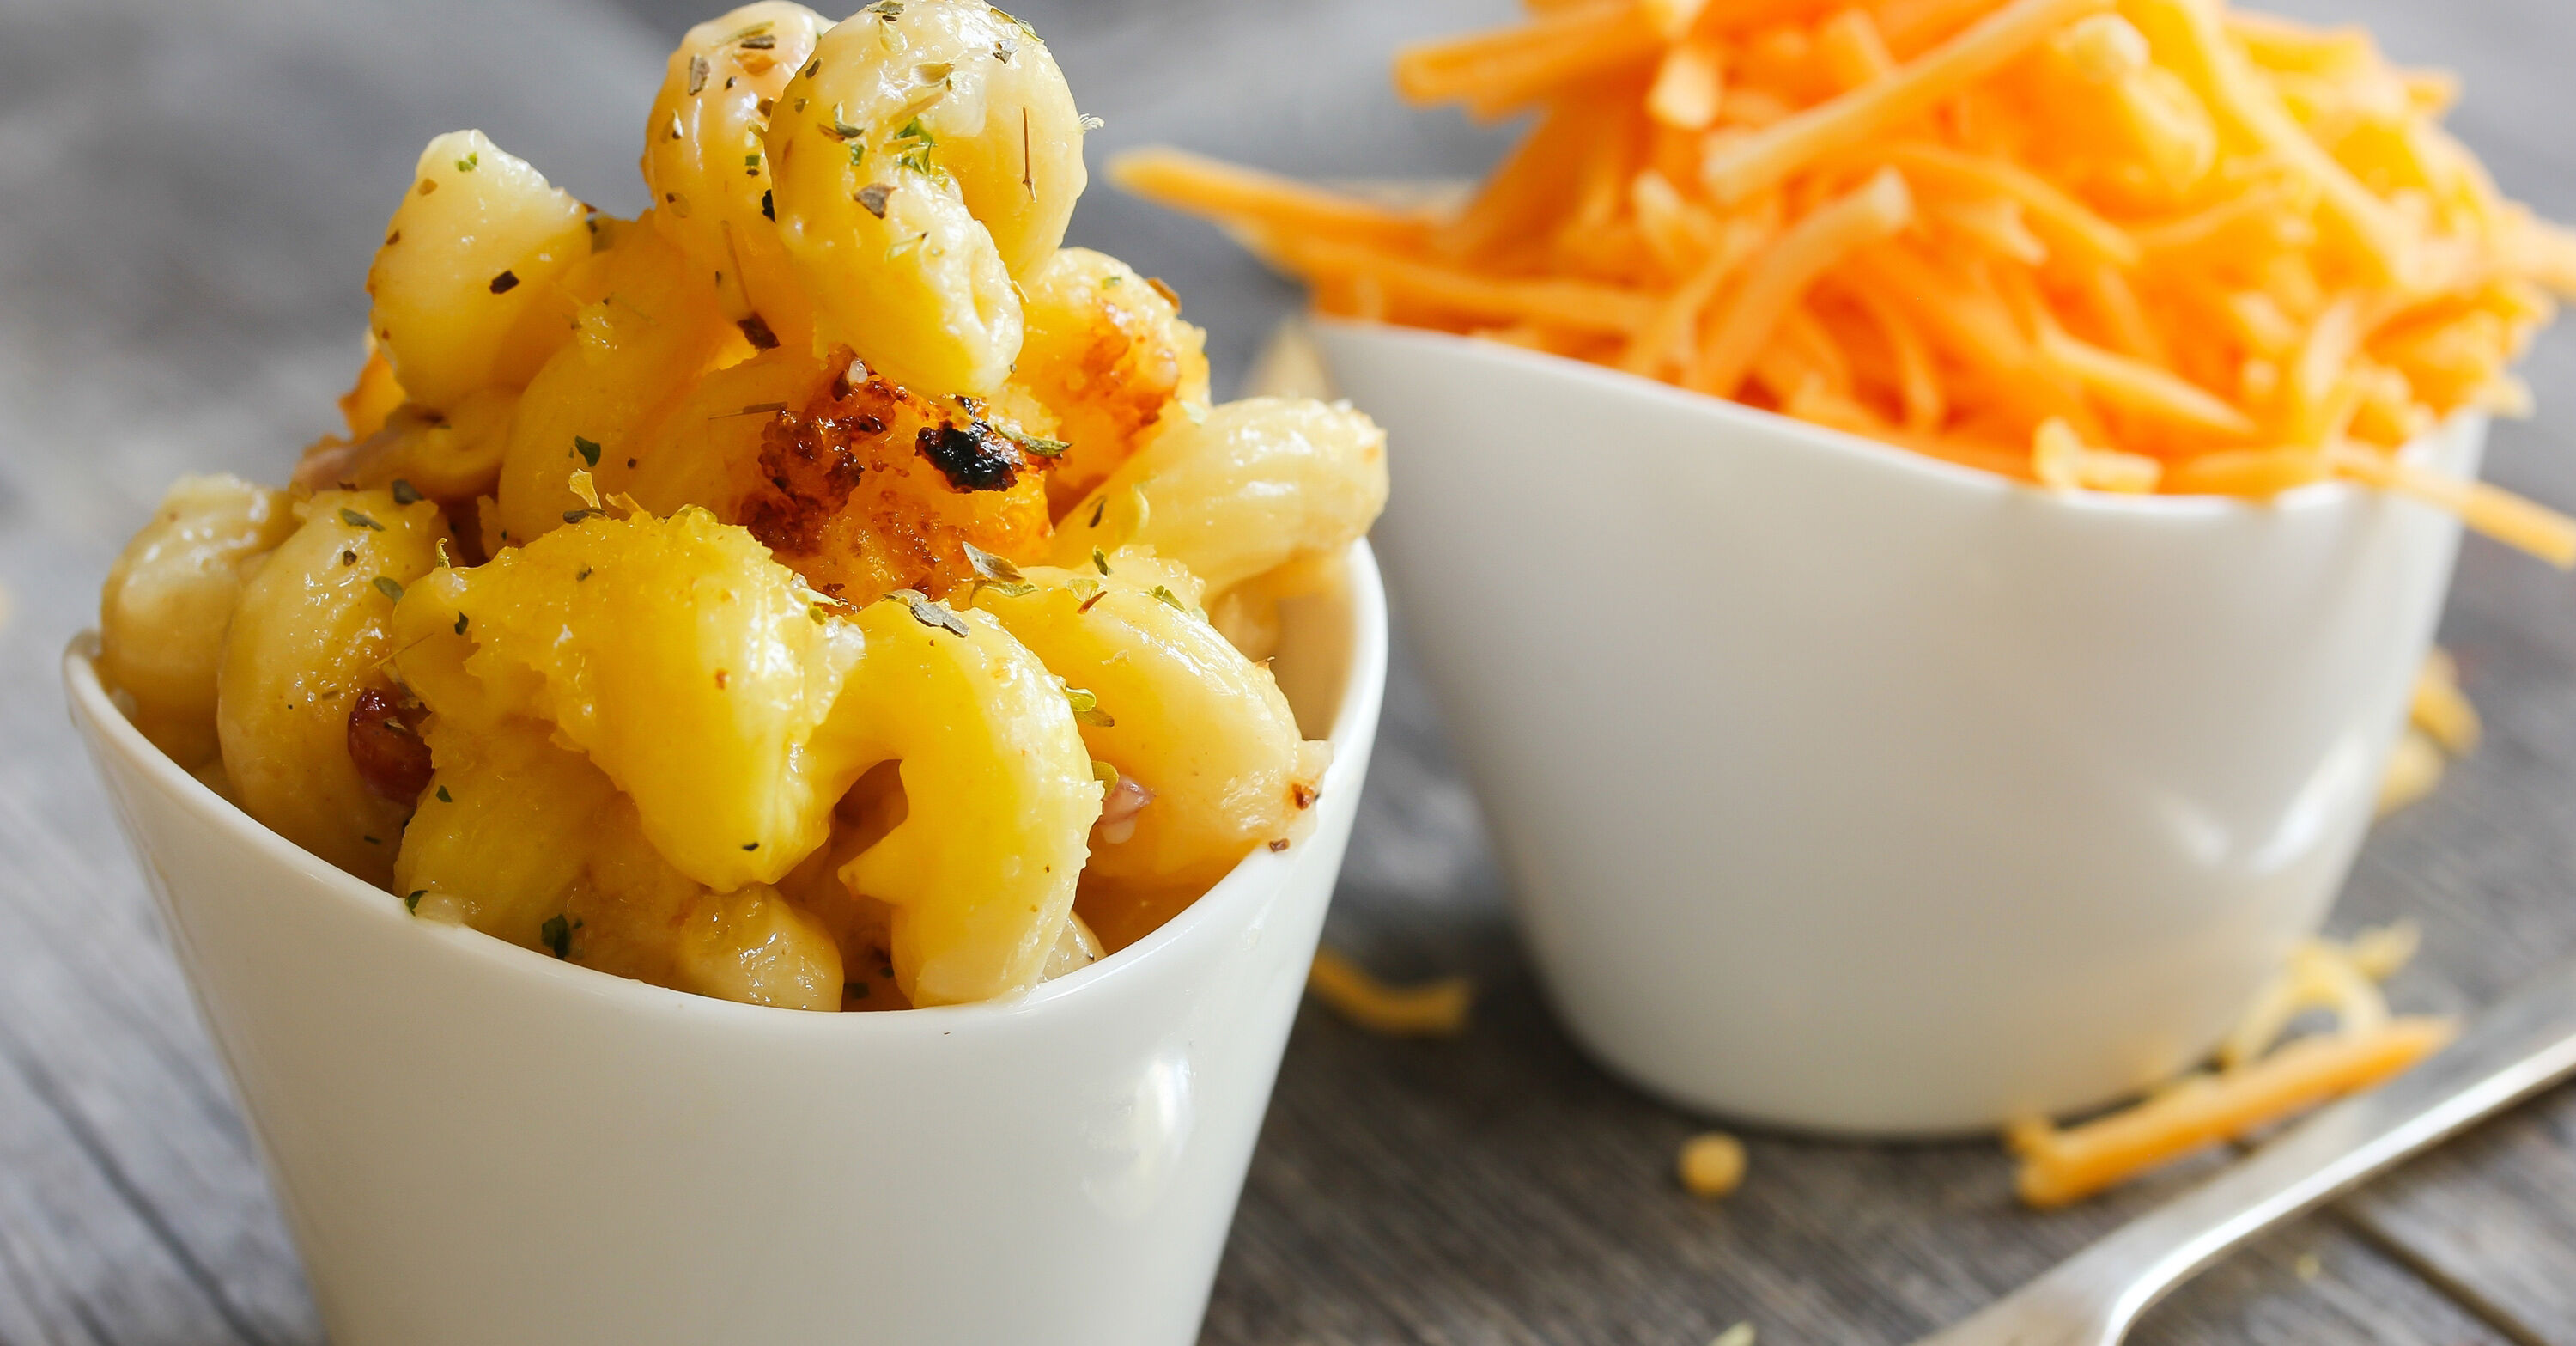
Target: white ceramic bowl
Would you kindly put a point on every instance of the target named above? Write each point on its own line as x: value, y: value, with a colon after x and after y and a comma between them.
x: 1849, y: 790
x: 479, y: 1144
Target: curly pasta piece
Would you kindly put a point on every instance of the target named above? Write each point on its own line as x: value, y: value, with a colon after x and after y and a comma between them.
x: 1254, y: 486
x: 526, y: 841
x: 755, y: 946
x: 707, y: 166
x: 927, y: 155
x: 504, y: 831
x: 637, y: 352
x: 465, y: 283
x: 1195, y: 730
x: 1106, y: 350
x: 170, y: 598
x: 308, y: 643
x: 692, y: 669
x: 451, y: 456
x: 998, y: 799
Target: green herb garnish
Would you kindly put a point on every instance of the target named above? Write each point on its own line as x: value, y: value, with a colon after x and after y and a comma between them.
x: 354, y: 519
x: 1086, y: 708
x: 912, y: 144
x: 386, y: 585
x: 1043, y: 448
x: 930, y: 613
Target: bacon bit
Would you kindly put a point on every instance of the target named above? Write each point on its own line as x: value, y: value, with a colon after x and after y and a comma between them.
x: 385, y: 748
x: 1279, y: 843
x: 505, y: 282
x: 1166, y: 292
x: 755, y: 330
x: 813, y: 468
x: 1302, y: 794
x: 1126, y: 798
x: 974, y: 456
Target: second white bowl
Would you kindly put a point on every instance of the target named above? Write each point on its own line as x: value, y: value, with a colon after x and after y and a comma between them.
x: 1845, y: 789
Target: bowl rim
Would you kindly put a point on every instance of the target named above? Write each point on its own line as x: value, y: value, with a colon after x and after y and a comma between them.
x: 1259, y: 873
x: 1936, y: 472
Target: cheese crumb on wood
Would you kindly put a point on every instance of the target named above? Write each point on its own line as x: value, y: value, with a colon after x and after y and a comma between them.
x: 1712, y: 1165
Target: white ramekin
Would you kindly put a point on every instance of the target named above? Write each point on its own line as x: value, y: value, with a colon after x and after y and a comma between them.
x: 479, y: 1144
x: 1848, y: 790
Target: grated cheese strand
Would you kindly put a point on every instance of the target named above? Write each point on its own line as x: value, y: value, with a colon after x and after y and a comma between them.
x: 1740, y: 169
x: 2059, y: 1167
x: 1435, y: 1009
x: 1875, y: 211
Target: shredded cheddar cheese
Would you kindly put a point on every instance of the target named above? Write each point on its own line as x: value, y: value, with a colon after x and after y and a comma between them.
x: 2256, y: 1083
x: 2064, y: 1166
x: 2415, y: 767
x: 2441, y: 709
x: 2103, y: 245
x: 1434, y: 1009
x: 2441, y: 724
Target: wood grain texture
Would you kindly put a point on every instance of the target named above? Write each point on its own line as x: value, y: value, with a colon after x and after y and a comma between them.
x: 187, y: 202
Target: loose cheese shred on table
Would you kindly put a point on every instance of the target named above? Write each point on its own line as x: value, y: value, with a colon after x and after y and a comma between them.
x: 1712, y: 1164
x: 2256, y: 1083
x: 2441, y: 709
x: 2098, y: 245
x: 1436, y: 1009
x: 2441, y: 724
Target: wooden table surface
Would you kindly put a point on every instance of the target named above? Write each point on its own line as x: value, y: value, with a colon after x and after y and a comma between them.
x: 187, y: 204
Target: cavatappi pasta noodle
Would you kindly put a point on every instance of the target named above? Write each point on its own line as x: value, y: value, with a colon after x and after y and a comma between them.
x: 2110, y: 245
x: 824, y: 590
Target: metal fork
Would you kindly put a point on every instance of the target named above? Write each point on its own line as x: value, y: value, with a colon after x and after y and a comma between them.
x: 2513, y: 1051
